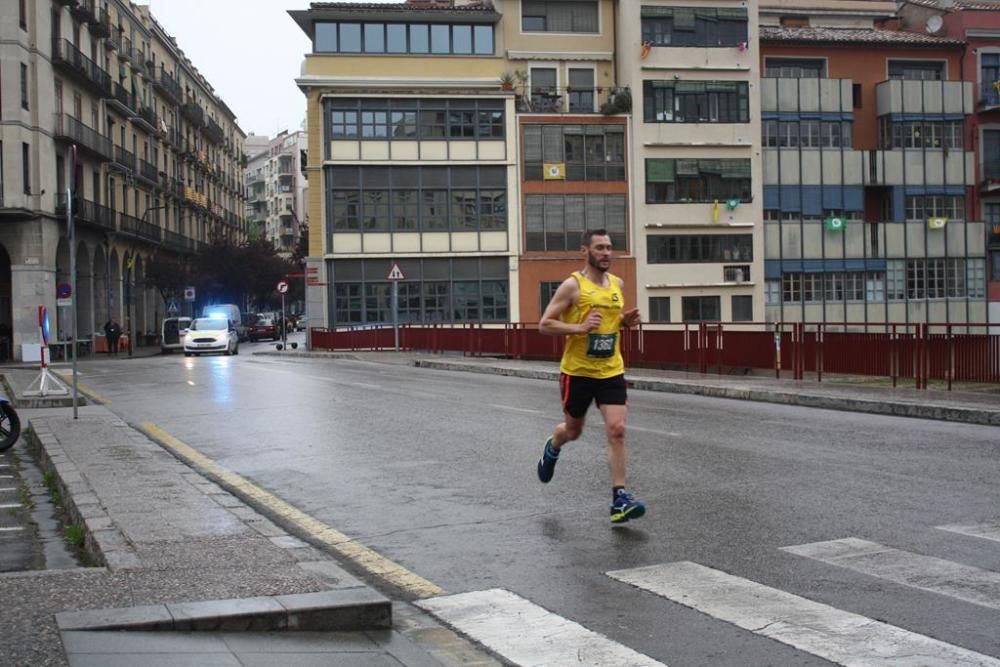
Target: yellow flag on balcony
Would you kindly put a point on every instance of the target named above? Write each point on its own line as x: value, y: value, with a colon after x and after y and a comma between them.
x: 937, y: 223
x: 554, y: 171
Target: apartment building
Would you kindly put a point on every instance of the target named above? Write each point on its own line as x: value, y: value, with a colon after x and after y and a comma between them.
x: 157, y: 166
x: 412, y: 161
x: 977, y: 24
x: 868, y: 169
x: 693, y: 70
x: 276, y: 188
x: 573, y: 123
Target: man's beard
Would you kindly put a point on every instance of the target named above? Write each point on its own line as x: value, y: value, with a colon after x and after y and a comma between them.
x: 596, y: 263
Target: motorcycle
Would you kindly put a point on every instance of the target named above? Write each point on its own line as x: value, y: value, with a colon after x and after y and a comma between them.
x: 10, y: 424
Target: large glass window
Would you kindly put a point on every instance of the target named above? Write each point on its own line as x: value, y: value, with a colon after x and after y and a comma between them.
x: 690, y: 180
x: 560, y: 16
x: 795, y: 68
x: 416, y: 38
x: 694, y: 26
x: 554, y: 223
x: 921, y: 207
x: 416, y: 119
x: 919, y: 70
x: 699, y: 248
x: 701, y: 308
x: 587, y: 152
x: 378, y: 199
x: 696, y: 102
x: 920, y: 134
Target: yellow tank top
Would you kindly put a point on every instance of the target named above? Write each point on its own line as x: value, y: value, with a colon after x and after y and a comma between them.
x: 596, y: 354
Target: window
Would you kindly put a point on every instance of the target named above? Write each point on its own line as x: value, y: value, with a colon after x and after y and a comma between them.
x: 559, y: 16
x: 975, y: 279
x: 920, y: 134
x: 554, y: 223
x: 694, y: 26
x: 875, y: 288
x: 795, y: 68
x: 589, y: 152
x: 24, y: 86
x: 921, y: 207
x: 383, y: 199
x: 739, y: 273
x: 772, y: 292
x: 416, y: 119
x: 916, y: 70
x: 812, y: 287
x: 995, y: 265
x: 696, y: 102
x: 697, y: 248
x: 989, y: 72
x: 791, y: 284
x: 397, y: 38
x: 546, y: 290
x: 22, y: 14
x: 742, y: 308
x: 690, y: 180
x: 26, y: 168
x: 581, y: 91
x: 701, y: 308
x: 659, y: 309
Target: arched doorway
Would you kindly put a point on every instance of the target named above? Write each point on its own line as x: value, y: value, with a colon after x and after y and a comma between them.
x: 63, y: 328
x: 6, y: 307
x: 116, y: 286
x: 84, y: 296
x: 102, y: 297
x: 139, y: 294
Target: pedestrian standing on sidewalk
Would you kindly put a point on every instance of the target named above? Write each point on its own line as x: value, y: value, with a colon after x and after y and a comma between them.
x: 589, y: 310
x: 112, y: 332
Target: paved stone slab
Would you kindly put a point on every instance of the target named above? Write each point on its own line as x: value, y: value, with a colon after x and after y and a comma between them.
x: 107, y: 619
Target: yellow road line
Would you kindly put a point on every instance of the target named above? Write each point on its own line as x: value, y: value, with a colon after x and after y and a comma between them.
x: 368, y: 559
x: 84, y: 389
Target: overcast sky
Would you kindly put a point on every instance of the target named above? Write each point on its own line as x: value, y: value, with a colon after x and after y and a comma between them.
x: 250, y: 51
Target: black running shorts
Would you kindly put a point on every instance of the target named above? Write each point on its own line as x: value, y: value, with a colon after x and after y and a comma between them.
x: 578, y: 391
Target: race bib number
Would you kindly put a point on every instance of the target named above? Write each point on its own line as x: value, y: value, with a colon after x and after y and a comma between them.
x: 601, y: 345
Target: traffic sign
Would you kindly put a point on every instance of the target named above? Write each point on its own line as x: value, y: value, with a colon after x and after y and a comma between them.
x: 189, y: 294
x: 395, y: 273
x: 172, y: 308
x: 64, y: 291
x: 282, y: 287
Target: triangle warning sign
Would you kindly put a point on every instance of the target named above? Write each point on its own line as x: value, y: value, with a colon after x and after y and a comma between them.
x: 395, y: 273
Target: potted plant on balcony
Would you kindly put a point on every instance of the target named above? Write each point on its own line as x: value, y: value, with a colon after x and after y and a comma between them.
x: 507, y: 81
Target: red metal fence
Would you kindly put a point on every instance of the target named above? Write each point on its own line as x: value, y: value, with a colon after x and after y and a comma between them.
x: 917, y: 352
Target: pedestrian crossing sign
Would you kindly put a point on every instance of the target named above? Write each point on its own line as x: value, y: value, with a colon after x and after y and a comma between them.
x: 172, y: 308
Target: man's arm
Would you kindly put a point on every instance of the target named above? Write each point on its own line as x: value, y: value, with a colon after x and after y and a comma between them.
x: 562, y: 300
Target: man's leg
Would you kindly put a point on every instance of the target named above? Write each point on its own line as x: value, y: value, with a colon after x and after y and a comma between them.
x: 614, y: 428
x: 567, y: 431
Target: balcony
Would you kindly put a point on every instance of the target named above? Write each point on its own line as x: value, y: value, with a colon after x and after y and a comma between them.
x: 929, y: 97
x: 121, y: 100
x: 73, y: 131
x: 125, y: 52
x: 101, y: 28
x: 991, y: 177
x: 148, y: 173
x: 87, y: 212
x: 799, y: 95
x: 139, y: 229
x: 124, y: 158
x: 168, y: 86
x: 989, y: 96
x: 84, y: 11
x: 213, y: 132
x: 544, y: 99
x: 193, y: 112
x: 114, y: 39
x: 69, y: 59
x: 177, y: 242
x: 895, y: 167
x: 147, y: 120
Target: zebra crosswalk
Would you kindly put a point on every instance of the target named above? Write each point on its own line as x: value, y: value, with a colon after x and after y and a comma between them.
x: 527, y: 634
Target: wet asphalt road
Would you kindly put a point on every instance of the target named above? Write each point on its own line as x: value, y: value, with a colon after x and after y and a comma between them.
x: 435, y: 470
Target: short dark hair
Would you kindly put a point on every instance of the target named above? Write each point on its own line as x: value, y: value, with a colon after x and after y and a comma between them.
x: 589, y: 235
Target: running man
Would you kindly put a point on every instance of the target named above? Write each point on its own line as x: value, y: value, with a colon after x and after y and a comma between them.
x: 588, y: 308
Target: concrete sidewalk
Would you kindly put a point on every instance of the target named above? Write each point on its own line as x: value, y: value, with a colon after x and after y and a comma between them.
x: 197, y: 576
x: 849, y: 393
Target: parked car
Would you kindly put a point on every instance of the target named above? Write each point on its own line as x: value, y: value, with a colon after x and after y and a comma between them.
x: 172, y: 332
x: 263, y: 328
x: 302, y: 324
x: 211, y: 335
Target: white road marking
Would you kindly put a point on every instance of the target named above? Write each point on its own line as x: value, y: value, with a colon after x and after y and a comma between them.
x: 512, y: 408
x: 11, y: 530
x: 652, y: 430
x: 9, y: 506
x: 986, y: 531
x: 830, y: 633
x: 9, y: 488
x: 964, y: 582
x: 191, y: 382
x: 527, y: 634
x: 6, y: 477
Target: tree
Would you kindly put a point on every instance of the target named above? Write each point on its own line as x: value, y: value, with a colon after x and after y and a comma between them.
x: 228, y: 273
x: 169, y: 274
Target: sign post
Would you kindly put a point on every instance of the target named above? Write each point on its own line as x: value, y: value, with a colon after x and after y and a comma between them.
x: 71, y: 233
x: 46, y: 383
x: 282, y: 290
x: 395, y: 275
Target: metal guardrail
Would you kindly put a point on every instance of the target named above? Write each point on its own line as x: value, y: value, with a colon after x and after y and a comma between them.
x: 70, y: 128
x: 917, y: 352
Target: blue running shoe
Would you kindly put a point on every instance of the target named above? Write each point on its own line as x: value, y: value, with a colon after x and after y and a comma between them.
x: 547, y: 464
x: 625, y: 507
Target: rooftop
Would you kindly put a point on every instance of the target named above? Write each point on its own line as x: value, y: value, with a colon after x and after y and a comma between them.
x: 853, y: 36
